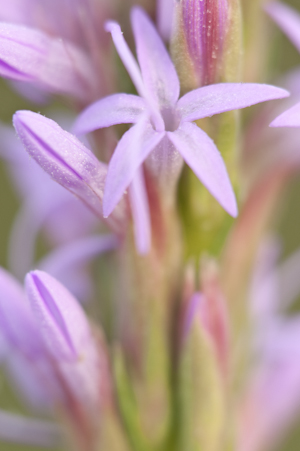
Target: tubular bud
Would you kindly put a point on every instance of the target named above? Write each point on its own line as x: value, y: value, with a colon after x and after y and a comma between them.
x: 203, y: 41
x: 202, y: 26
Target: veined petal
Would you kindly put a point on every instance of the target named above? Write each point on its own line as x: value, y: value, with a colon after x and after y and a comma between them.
x: 288, y: 19
x: 218, y: 98
x: 159, y: 73
x: 140, y: 212
x: 64, y: 326
x: 28, y: 54
x: 290, y: 118
x: 133, y: 148
x: 63, y: 157
x: 115, y: 109
x: 201, y: 154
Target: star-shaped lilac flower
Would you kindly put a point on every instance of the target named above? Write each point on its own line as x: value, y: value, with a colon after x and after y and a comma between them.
x: 163, y: 123
x: 289, y: 22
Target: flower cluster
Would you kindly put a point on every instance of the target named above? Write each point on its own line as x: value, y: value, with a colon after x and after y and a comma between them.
x: 178, y: 337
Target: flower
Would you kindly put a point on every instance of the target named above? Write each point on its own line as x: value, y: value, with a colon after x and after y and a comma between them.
x: 272, y: 393
x: 164, y: 124
x: 289, y: 22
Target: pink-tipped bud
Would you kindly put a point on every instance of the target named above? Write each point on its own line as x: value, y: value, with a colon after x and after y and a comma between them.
x: 204, y: 27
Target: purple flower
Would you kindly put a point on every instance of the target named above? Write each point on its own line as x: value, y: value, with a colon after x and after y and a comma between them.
x: 289, y: 22
x: 163, y: 124
x: 30, y: 55
x: 55, y: 46
x: 272, y: 396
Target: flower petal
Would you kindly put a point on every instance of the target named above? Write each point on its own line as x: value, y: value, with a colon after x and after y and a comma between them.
x: 115, y: 109
x: 287, y: 18
x: 28, y: 54
x: 63, y: 323
x: 218, y: 98
x: 159, y: 74
x: 63, y: 157
x: 201, y: 154
x: 134, y: 72
x: 126, y: 56
x: 133, y: 148
x: 290, y: 118
x: 140, y: 212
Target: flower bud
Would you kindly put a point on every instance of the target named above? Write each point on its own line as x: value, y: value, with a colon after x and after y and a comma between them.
x: 201, y: 388
x: 65, y: 159
x: 203, y: 41
x: 66, y: 334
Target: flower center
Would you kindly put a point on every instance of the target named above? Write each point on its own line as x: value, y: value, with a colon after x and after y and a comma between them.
x: 171, y: 118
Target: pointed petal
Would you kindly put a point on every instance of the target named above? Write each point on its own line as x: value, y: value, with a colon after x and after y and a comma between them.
x: 115, y: 109
x: 133, y: 148
x: 201, y: 154
x: 134, y: 72
x: 27, y: 54
x: 63, y: 324
x: 140, y: 212
x: 288, y: 19
x: 126, y: 56
x: 63, y: 157
x: 290, y: 118
x: 158, y: 70
x: 218, y: 98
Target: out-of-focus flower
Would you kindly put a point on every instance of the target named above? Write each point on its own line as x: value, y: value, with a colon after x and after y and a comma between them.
x: 289, y: 21
x: 61, y: 56
x: 46, y: 325
x: 59, y: 360
x: 265, y: 149
x: 271, y: 399
x: 163, y: 125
